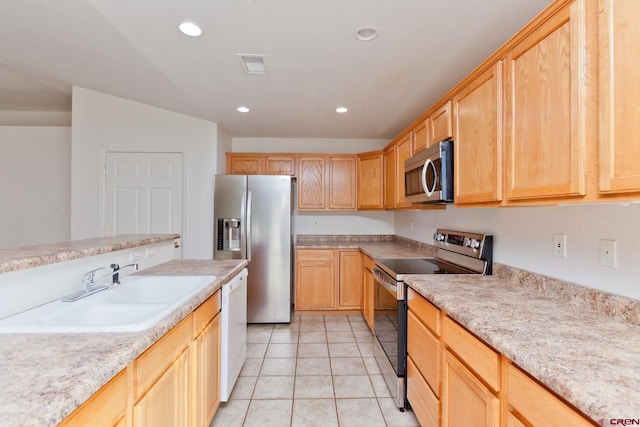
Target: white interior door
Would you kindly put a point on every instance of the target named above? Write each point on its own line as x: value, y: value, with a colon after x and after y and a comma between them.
x: 143, y: 193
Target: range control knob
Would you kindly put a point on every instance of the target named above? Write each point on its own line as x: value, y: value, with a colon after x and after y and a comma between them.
x: 474, y: 244
x: 466, y: 242
x: 438, y: 237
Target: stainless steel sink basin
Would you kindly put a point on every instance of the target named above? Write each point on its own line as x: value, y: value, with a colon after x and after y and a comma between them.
x: 138, y: 303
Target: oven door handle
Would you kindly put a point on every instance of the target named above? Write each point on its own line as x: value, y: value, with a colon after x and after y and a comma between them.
x: 393, y: 289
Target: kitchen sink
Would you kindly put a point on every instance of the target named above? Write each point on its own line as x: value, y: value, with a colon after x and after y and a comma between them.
x: 138, y: 303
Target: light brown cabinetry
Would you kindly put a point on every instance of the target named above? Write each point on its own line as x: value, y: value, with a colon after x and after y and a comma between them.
x: 390, y: 177
x: 370, y: 180
x: 619, y: 88
x: 312, y: 183
x: 529, y: 403
x: 205, y: 350
x: 327, y: 182
x: 328, y: 279
x: 315, y: 279
x: 350, y: 285
x: 261, y: 164
x: 546, y: 93
x: 424, y: 362
x: 107, y: 407
x: 441, y: 124
x: 245, y: 164
x: 454, y: 379
x: 368, y: 289
x: 394, y: 156
x: 478, y: 139
x: 420, y: 136
x: 173, y: 383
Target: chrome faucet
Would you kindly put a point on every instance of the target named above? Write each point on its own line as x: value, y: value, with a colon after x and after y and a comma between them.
x: 89, y: 281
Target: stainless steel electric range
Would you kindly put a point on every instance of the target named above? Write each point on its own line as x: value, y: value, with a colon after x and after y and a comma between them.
x: 458, y: 252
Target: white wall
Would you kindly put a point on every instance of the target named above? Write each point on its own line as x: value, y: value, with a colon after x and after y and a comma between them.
x: 224, y: 145
x: 524, y: 239
x: 103, y: 122
x: 35, y: 118
x: 35, y: 184
x: 307, y: 145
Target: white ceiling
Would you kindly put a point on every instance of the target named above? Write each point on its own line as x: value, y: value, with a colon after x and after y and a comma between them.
x: 132, y: 49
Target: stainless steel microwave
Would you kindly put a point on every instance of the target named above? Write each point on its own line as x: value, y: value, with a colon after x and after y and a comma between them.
x: 428, y: 175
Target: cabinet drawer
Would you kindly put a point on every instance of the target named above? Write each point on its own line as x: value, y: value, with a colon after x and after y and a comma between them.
x: 105, y: 408
x: 424, y: 349
x: 315, y: 255
x: 484, y: 361
x: 205, y: 313
x: 425, y: 404
x: 428, y: 313
x: 536, y: 404
x: 153, y: 362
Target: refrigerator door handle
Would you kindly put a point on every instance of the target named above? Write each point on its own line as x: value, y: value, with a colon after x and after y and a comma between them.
x: 249, y: 209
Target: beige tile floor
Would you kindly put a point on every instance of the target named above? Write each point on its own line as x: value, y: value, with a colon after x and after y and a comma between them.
x: 315, y: 371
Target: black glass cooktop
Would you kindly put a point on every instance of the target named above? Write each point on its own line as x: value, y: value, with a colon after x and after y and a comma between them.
x: 396, y: 266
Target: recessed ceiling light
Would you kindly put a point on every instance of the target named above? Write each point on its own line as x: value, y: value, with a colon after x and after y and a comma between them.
x: 366, y: 34
x: 243, y: 109
x: 190, y: 29
x: 342, y: 110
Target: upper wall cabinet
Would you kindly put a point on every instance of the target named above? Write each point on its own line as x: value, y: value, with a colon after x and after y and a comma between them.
x: 477, y: 111
x: 327, y: 182
x: 261, y: 163
x: 245, y: 164
x: 390, y: 177
x: 420, y: 136
x: 546, y: 97
x: 441, y: 124
x: 404, y: 150
x: 619, y: 80
x: 370, y: 180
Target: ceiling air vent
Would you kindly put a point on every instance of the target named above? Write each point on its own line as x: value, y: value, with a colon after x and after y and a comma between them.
x: 253, y: 64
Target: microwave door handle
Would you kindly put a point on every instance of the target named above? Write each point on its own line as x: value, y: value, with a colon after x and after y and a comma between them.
x: 427, y: 164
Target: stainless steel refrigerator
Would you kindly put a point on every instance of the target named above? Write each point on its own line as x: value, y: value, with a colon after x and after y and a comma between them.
x: 252, y: 220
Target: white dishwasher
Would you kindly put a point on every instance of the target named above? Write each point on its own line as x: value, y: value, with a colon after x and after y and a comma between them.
x: 233, y: 334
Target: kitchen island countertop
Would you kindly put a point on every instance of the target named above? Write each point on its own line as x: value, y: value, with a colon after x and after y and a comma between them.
x: 45, y: 377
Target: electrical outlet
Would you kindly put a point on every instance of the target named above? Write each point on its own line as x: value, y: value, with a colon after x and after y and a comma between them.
x: 608, y: 256
x: 560, y: 245
x: 134, y: 256
x: 315, y: 222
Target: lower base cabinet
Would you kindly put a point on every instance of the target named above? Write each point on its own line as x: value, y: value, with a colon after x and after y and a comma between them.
x: 479, y: 386
x: 173, y: 383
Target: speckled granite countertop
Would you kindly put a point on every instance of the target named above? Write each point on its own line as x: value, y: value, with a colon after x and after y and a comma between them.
x: 590, y: 359
x: 45, y: 377
x: 14, y: 259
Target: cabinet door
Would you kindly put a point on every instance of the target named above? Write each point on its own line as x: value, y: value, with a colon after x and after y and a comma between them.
x: 368, y: 302
x: 350, y: 285
x: 404, y: 150
x: 342, y: 182
x: 478, y: 139
x: 167, y: 401
x: 311, y: 183
x: 546, y: 109
x: 241, y: 164
x: 315, y: 287
x: 425, y: 404
x: 205, y: 376
x: 619, y: 93
x: 371, y: 180
x: 420, y: 136
x: 465, y: 400
x: 280, y: 165
x: 105, y: 408
x: 441, y: 124
x: 390, y: 178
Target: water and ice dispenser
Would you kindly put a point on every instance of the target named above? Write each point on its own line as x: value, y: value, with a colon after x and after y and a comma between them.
x: 229, y: 234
